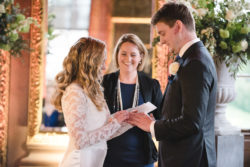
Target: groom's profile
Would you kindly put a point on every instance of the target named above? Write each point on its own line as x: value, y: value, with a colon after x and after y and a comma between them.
x: 186, y: 129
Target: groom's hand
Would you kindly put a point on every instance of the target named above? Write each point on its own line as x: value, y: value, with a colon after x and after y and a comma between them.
x: 140, y: 120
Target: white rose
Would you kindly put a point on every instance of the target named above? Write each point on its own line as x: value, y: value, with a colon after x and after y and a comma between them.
x: 230, y: 15
x: 2, y: 9
x: 244, y: 45
x: 173, y: 68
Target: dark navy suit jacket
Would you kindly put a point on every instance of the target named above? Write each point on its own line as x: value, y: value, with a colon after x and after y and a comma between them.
x: 186, y: 130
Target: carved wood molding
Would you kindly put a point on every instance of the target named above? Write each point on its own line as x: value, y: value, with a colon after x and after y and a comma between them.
x: 161, y: 57
x: 160, y: 63
x: 36, y: 70
x: 4, y: 103
x: 37, y: 56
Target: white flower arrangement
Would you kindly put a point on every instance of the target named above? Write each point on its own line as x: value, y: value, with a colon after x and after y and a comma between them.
x: 173, y: 68
x: 224, y: 28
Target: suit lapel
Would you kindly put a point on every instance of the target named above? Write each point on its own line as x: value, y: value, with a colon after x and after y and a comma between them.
x: 188, y: 52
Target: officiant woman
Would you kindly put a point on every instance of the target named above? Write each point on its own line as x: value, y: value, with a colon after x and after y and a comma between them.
x: 129, y: 87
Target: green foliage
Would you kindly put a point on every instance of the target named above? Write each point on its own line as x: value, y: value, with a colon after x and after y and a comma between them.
x: 51, y: 34
x: 224, y: 28
x: 12, y: 23
x: 156, y: 40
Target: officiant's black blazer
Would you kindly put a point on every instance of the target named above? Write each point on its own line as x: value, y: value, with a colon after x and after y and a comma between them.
x: 150, y: 90
x: 186, y: 130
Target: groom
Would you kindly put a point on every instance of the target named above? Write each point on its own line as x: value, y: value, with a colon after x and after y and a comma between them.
x: 186, y: 130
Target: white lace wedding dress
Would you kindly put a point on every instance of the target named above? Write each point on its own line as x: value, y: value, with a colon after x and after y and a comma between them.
x: 88, y: 129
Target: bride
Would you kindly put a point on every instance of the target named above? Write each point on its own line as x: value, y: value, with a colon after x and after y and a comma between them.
x: 79, y: 96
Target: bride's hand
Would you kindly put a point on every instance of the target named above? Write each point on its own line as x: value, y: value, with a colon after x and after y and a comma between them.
x: 121, y: 116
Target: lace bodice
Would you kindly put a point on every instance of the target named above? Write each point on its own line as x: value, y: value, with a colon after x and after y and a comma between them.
x: 86, y: 125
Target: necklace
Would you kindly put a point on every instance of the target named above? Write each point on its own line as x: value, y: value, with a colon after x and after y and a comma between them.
x: 119, y: 96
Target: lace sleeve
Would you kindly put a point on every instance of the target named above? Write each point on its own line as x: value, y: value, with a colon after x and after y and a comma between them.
x: 124, y: 127
x: 75, y: 108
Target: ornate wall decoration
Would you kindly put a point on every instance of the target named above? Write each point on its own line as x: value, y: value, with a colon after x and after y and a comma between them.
x: 160, y: 63
x: 40, y: 144
x: 4, y: 102
x: 36, y: 69
x: 161, y: 57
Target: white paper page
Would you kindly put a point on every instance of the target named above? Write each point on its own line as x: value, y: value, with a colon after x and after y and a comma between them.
x: 145, y: 108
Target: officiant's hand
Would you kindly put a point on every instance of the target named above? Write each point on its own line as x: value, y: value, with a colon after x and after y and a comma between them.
x: 121, y: 116
x: 140, y: 120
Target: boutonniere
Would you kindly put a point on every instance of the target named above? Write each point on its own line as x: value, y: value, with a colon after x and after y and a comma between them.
x: 173, y: 68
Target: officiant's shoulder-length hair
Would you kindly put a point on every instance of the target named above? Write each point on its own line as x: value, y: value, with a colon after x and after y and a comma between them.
x: 134, y: 39
x: 83, y: 65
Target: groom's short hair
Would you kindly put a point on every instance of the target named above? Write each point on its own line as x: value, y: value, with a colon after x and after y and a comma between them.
x: 170, y: 12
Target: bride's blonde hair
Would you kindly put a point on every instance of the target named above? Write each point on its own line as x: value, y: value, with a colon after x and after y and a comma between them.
x: 83, y: 65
